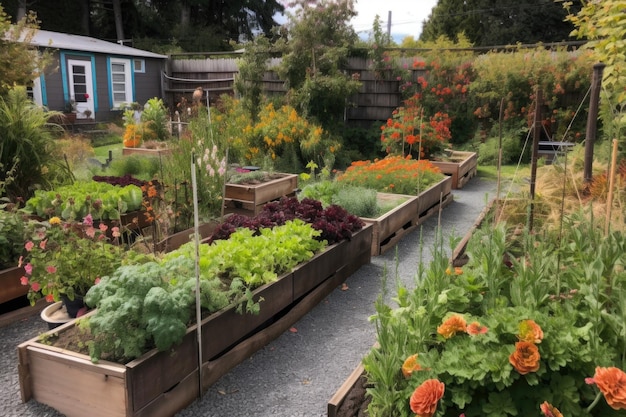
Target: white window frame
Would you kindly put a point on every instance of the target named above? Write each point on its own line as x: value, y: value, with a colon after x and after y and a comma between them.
x: 115, y: 84
x: 140, y: 65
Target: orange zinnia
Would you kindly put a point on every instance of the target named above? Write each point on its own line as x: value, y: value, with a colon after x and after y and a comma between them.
x: 549, y: 410
x: 525, y: 358
x: 475, y: 328
x: 529, y: 331
x: 451, y: 326
x: 612, y: 382
x: 426, y: 397
x: 410, y: 365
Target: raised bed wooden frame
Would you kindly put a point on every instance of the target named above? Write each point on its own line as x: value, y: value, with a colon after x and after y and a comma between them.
x: 461, y: 172
x: 159, y: 384
x: 249, y: 199
x: 393, y: 225
x: 10, y: 285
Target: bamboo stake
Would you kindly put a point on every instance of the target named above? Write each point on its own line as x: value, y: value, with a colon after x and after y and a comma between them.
x: 194, y: 187
x: 609, y: 199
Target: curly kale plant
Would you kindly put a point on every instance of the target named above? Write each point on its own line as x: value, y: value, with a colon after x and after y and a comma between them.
x: 151, y: 304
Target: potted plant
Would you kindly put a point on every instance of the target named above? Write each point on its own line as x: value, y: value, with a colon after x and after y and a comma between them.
x: 69, y: 111
x: 64, y: 259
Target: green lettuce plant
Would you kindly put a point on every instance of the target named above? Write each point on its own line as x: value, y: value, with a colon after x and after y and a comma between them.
x: 506, y: 334
x: 151, y: 304
x: 73, y: 202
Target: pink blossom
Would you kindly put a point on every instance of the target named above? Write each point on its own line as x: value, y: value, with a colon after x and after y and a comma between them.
x: 49, y: 298
x: 28, y: 268
x: 97, y: 281
x: 24, y: 280
x: 116, y: 231
x: 103, y: 227
x: 51, y: 269
x: 590, y: 381
x: 88, y: 220
x: 35, y: 287
x: 42, y: 244
x: 29, y: 246
x: 90, y: 232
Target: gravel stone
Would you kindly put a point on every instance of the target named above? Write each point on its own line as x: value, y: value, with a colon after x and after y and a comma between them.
x: 296, y: 374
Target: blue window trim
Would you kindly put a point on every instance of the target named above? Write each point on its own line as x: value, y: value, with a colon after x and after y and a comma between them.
x: 131, y: 60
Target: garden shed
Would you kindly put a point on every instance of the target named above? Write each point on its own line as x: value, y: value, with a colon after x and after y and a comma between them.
x: 95, y: 78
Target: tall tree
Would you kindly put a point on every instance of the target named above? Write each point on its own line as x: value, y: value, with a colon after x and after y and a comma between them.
x: 506, y: 22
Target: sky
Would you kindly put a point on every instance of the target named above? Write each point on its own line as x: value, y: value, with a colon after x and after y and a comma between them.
x: 406, y: 16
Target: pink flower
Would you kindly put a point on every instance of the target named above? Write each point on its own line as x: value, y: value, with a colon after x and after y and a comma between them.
x: 116, y: 231
x: 28, y: 268
x: 51, y: 269
x: 97, y: 281
x: 103, y: 227
x: 90, y: 232
x: 24, y: 280
x: 36, y: 287
x: 49, y: 298
x: 88, y: 220
x: 42, y: 244
x: 29, y: 246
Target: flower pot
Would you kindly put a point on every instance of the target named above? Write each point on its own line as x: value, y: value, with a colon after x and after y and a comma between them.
x: 55, y: 315
x: 74, y: 306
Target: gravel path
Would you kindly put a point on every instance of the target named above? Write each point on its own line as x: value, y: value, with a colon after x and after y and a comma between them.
x: 296, y: 374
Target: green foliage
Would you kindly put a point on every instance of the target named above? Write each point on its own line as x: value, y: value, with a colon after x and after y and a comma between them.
x: 570, y: 285
x: 318, y: 87
x: 508, y: 24
x: 74, y: 202
x: 154, y: 116
x: 151, y: 304
x: 512, y: 146
x: 12, y: 236
x: 142, y: 167
x: 360, y: 201
x: 603, y: 25
x: 20, y: 62
x: 27, y: 150
x: 252, y: 68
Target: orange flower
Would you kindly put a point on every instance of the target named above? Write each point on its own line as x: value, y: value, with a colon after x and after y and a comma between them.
x: 612, y: 382
x: 475, y: 328
x: 451, y: 326
x: 529, y: 331
x: 426, y: 397
x: 410, y: 365
x: 549, y: 410
x: 525, y: 358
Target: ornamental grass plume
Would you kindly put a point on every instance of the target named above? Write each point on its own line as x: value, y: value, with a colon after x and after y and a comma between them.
x: 425, y: 398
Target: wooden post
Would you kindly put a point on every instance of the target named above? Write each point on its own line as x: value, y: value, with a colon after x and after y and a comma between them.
x: 535, y: 152
x: 592, y: 118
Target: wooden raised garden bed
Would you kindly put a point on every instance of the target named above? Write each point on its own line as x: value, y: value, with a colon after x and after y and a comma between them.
x: 393, y: 225
x: 249, y: 199
x: 10, y: 285
x: 162, y: 383
x: 461, y: 167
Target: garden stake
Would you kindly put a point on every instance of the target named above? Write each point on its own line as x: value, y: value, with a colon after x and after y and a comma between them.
x: 194, y: 188
x: 609, y: 199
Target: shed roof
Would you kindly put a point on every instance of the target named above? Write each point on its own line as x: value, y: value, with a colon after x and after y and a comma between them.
x: 57, y: 40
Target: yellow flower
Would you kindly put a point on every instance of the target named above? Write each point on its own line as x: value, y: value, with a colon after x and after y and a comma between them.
x: 55, y: 220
